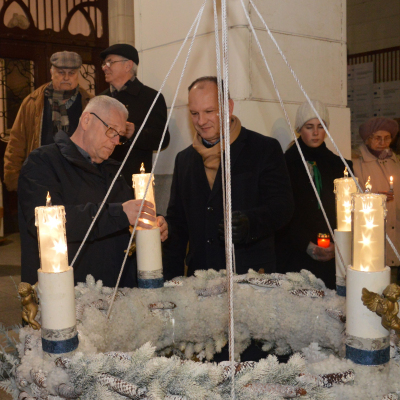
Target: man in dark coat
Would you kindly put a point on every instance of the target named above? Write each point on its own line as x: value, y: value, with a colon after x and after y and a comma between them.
x: 261, y: 193
x: 77, y: 172
x: 120, y: 69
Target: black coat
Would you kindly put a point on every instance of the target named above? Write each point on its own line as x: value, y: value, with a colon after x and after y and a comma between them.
x: 308, y: 220
x: 260, y: 189
x: 138, y: 99
x: 80, y: 186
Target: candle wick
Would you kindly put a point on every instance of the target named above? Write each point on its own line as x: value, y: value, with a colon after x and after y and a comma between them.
x: 48, y: 200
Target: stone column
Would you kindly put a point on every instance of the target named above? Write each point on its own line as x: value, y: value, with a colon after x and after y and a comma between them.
x: 121, y: 22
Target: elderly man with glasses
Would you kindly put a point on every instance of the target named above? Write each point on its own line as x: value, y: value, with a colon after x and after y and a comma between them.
x: 120, y: 69
x: 78, y: 173
x: 53, y: 106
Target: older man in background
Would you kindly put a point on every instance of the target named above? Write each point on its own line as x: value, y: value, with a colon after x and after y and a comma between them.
x: 54, y: 106
x: 120, y: 70
x: 78, y: 172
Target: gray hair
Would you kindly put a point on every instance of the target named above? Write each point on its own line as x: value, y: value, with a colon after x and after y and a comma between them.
x: 104, y: 103
x: 134, y: 69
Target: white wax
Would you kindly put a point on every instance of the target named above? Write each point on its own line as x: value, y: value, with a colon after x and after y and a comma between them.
x: 360, y: 321
x: 139, y: 184
x: 50, y: 222
x: 342, y: 243
x: 148, y: 250
x: 368, y: 219
x: 344, y: 187
x: 57, y: 299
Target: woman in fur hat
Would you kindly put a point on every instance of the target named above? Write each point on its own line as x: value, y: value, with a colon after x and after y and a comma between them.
x: 297, y: 243
x: 376, y: 159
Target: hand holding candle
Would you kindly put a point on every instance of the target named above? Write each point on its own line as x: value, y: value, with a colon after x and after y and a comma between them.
x: 131, y: 209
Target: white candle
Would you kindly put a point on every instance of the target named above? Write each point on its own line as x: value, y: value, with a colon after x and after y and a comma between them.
x: 368, y: 245
x: 50, y: 222
x: 344, y: 187
x: 391, y: 183
x: 139, y: 184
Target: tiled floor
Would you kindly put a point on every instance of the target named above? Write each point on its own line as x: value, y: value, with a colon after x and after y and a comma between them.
x: 10, y: 276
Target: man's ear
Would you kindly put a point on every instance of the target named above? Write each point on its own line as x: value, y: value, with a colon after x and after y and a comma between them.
x: 231, y: 105
x: 85, y: 120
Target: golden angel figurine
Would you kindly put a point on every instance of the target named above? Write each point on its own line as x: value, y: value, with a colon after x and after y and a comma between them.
x: 385, y: 306
x: 29, y: 303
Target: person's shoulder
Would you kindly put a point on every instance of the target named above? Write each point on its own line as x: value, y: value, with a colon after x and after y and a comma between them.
x: 258, y: 139
x: 34, y: 95
x: 85, y: 94
x: 41, y: 155
x: 187, y: 152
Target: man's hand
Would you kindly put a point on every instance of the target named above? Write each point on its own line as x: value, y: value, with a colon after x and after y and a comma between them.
x: 131, y: 209
x: 321, y: 253
x: 389, y: 195
x: 130, y: 129
x: 162, y: 224
x: 240, y: 228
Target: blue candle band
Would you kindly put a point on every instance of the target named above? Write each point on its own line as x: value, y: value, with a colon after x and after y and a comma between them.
x: 60, y: 346
x: 368, y: 357
x: 150, y: 283
x: 341, y: 290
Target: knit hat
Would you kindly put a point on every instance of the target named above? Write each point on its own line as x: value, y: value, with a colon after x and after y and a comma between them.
x: 305, y: 113
x: 378, y: 124
x: 66, y: 59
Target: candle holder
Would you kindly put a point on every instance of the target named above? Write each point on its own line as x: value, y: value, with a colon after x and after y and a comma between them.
x: 323, y: 240
x: 344, y: 188
x: 56, y: 283
x: 148, y: 243
x: 367, y: 341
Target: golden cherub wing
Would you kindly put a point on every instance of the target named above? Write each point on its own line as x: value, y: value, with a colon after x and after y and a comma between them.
x: 374, y: 302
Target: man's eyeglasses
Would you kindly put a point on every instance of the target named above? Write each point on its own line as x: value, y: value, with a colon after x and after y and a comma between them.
x: 109, y: 63
x: 111, y: 132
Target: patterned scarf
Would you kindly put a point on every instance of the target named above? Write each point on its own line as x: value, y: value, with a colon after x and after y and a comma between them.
x: 60, y: 101
x: 212, y: 156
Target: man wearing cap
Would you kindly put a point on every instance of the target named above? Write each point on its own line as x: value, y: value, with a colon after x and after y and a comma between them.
x: 54, y: 106
x: 120, y: 69
x: 376, y: 160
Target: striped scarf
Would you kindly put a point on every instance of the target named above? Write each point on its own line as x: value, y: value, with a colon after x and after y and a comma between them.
x: 60, y: 101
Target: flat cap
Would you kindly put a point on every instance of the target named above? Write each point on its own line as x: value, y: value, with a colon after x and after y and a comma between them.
x: 122, y: 49
x: 66, y: 59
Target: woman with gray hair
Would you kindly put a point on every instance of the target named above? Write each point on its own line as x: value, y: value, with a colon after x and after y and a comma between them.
x: 297, y: 243
x: 374, y: 158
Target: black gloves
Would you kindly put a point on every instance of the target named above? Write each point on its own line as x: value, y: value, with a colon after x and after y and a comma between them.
x: 240, y: 228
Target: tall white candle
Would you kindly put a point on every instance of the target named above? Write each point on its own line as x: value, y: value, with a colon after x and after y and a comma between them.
x: 368, y: 245
x: 344, y: 188
x: 50, y: 222
x: 139, y: 184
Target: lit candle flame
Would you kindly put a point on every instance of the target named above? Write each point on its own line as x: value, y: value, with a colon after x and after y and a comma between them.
x: 59, y: 246
x: 368, y: 185
x: 346, y: 174
x: 48, y: 200
x: 142, y: 170
x: 391, y: 179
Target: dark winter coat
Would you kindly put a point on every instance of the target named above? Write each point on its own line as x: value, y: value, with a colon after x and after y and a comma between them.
x: 80, y: 186
x: 260, y: 189
x: 308, y: 220
x: 138, y: 99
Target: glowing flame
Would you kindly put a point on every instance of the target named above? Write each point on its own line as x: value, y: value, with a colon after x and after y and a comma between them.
x: 53, y: 221
x: 60, y: 246
x: 48, y: 200
x: 391, y: 179
x: 369, y: 223
x: 346, y: 174
x: 142, y: 170
x: 366, y: 240
x: 368, y: 185
x: 56, y: 268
